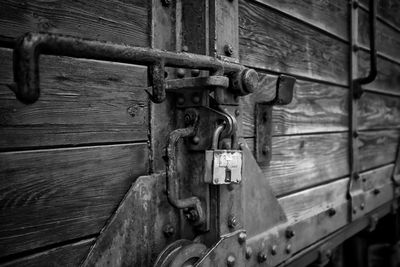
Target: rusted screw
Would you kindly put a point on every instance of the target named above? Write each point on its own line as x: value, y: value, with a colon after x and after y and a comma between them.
x: 168, y: 230
x: 195, y: 72
x: 185, y: 48
x: 237, y: 113
x: 376, y: 191
x: 196, y: 98
x: 249, y: 252
x: 232, y: 222
x: 196, y: 140
x: 250, y: 80
x: 273, y: 249
x: 331, y: 212
x: 288, y: 248
x: 230, y: 261
x: 289, y: 233
x: 180, y: 73
x: 242, y: 237
x: 262, y: 257
x: 228, y: 50
x: 165, y: 2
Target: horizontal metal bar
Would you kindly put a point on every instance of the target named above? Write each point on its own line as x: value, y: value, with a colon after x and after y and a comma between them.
x: 29, y: 46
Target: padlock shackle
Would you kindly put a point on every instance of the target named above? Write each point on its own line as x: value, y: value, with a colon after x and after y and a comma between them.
x: 217, y: 133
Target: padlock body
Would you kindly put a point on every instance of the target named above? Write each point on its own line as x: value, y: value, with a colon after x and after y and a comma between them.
x: 223, y: 166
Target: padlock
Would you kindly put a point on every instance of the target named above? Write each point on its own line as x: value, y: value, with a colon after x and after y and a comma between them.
x: 222, y: 166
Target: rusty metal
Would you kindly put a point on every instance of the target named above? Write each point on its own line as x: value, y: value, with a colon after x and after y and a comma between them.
x: 263, y: 117
x: 193, y: 203
x: 196, y: 83
x: 358, y: 91
x: 245, y: 82
x: 31, y: 45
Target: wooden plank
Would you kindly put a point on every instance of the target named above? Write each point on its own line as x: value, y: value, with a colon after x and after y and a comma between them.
x: 315, y: 108
x: 273, y: 42
x: 387, y: 39
x: 388, y: 11
x: 377, y: 148
x: 303, y: 161
x: 376, y: 178
x: 68, y: 255
x: 49, y: 196
x: 82, y: 101
x: 388, y: 77
x: 377, y: 111
x: 116, y: 21
x: 330, y: 16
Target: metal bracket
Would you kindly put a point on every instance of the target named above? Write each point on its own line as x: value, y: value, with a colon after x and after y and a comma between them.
x: 263, y: 117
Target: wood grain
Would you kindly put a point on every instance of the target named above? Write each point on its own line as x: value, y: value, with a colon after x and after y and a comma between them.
x: 273, y: 42
x: 82, y: 101
x: 377, y: 111
x: 49, y: 196
x: 116, y: 21
x: 388, y: 78
x: 330, y: 16
x: 377, y: 148
x: 315, y: 108
x: 68, y: 255
x: 387, y: 39
x: 376, y: 178
x: 303, y: 161
x: 388, y: 11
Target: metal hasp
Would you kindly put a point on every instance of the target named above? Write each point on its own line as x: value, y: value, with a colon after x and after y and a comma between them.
x: 31, y: 45
x: 263, y: 117
x: 357, y: 83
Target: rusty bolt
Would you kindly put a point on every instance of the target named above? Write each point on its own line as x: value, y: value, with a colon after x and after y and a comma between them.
x: 250, y: 80
x: 195, y: 72
x: 376, y: 191
x: 237, y: 113
x: 230, y: 261
x: 288, y: 248
x: 185, y: 48
x: 289, y: 233
x: 362, y: 205
x: 331, y: 212
x: 165, y: 2
x: 249, y: 252
x: 242, y: 237
x: 180, y: 73
x: 191, y: 215
x: 228, y: 50
x: 262, y: 257
x: 168, y: 230
x: 196, y: 140
x: 273, y: 249
x: 232, y: 222
x: 196, y: 98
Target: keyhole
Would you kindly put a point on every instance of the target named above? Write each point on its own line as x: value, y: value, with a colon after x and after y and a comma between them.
x: 228, y: 175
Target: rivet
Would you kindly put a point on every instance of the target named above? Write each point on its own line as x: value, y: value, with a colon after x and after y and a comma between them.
x: 180, y: 73
x: 362, y: 205
x: 249, y: 252
x: 289, y: 233
x: 185, y: 48
x: 196, y: 140
x: 262, y: 257
x: 273, y: 249
x: 181, y: 100
x: 230, y: 261
x: 165, y: 2
x: 228, y: 50
x: 232, y: 222
x: 331, y: 212
x: 195, y: 72
x: 242, y: 237
x: 288, y: 248
x: 237, y: 113
x: 196, y: 98
x: 168, y: 230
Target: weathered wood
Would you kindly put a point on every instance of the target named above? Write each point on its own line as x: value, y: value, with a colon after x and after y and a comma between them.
x: 273, y: 42
x: 377, y: 148
x: 377, y: 111
x: 315, y: 108
x: 388, y: 77
x: 377, y: 177
x: 68, y: 255
x: 387, y: 39
x: 305, y: 160
x: 330, y: 16
x: 82, y: 101
x: 388, y: 11
x: 49, y: 196
x: 116, y: 21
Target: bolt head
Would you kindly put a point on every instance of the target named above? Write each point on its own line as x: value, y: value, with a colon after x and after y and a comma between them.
x: 185, y: 48
x: 230, y: 261
x: 250, y: 80
x: 289, y: 233
x: 181, y: 100
x: 362, y: 205
x: 195, y: 72
x: 288, y: 248
x: 265, y: 150
x: 331, y: 212
x: 262, y: 257
x: 232, y: 222
x: 376, y: 191
x: 242, y: 237
x: 196, y: 140
x: 191, y: 215
x: 249, y: 252
x: 180, y: 73
x: 228, y: 49
x: 273, y: 249
x: 168, y: 230
x: 196, y: 98
x: 237, y: 113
